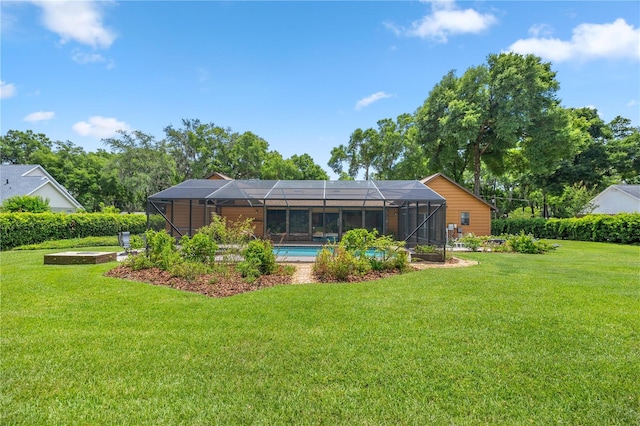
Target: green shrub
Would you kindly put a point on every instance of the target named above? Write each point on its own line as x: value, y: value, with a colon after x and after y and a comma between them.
x: 526, y: 243
x: 471, y: 241
x: 260, y: 254
x: 188, y: 270
x: 249, y: 269
x: 620, y: 228
x: 199, y: 248
x: 138, y: 262
x: 335, y: 263
x: 424, y: 249
x: 161, y: 249
x: 17, y: 229
x: 358, y: 241
x: 25, y: 203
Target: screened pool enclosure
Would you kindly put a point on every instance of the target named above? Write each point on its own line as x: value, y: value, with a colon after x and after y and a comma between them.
x: 306, y: 211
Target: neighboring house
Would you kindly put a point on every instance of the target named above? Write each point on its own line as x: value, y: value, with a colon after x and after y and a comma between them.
x: 466, y: 213
x: 218, y: 176
x: 33, y: 180
x: 618, y: 199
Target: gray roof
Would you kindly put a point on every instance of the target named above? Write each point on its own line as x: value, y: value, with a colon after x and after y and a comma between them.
x: 261, y: 190
x: 633, y: 190
x: 14, y: 181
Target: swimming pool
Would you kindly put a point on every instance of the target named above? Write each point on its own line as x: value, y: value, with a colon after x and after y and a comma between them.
x: 297, y: 251
x: 307, y: 251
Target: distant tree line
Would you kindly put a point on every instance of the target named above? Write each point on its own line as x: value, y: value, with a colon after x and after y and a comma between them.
x: 138, y: 165
x: 499, y: 130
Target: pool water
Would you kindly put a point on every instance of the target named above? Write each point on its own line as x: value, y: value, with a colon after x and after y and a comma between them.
x: 307, y: 251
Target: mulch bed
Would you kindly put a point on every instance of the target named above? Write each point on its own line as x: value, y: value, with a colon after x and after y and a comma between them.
x: 213, y: 285
x: 220, y: 285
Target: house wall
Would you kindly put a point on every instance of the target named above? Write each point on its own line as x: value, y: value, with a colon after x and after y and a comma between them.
x: 234, y: 214
x: 180, y: 216
x: 612, y: 201
x: 57, y: 201
x: 392, y: 221
x: 458, y: 201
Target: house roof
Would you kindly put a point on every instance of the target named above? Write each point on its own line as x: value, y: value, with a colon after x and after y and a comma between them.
x: 447, y: 178
x: 218, y: 175
x: 26, y: 179
x: 633, y: 190
x: 262, y: 190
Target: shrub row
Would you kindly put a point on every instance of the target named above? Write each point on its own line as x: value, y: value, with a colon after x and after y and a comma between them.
x: 18, y: 229
x: 621, y: 228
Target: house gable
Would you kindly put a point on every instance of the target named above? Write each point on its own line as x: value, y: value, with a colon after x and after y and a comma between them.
x: 462, y: 205
x: 33, y: 180
x: 618, y: 199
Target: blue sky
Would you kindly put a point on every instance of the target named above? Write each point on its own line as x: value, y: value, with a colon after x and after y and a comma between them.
x: 302, y: 75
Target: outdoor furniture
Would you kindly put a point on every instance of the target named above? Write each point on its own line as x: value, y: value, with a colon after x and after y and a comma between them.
x: 123, y: 241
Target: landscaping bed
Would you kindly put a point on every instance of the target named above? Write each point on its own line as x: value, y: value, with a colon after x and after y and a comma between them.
x: 232, y: 283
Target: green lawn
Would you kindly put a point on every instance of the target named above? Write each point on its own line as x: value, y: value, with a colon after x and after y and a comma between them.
x: 517, y: 339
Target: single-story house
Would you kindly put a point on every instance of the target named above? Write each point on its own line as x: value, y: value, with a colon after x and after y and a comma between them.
x: 33, y: 180
x: 617, y: 199
x: 306, y: 210
x: 466, y: 213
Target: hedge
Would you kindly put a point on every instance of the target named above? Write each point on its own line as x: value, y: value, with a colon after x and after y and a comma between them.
x: 620, y: 228
x: 18, y: 229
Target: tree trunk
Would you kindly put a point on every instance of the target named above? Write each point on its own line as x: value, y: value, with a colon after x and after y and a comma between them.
x: 476, y: 170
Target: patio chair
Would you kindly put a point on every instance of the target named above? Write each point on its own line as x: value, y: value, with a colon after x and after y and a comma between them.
x: 123, y: 241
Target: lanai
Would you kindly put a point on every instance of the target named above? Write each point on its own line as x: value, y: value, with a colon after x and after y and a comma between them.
x: 307, y: 211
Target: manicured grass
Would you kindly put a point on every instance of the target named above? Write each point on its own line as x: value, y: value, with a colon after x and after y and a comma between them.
x: 517, y: 339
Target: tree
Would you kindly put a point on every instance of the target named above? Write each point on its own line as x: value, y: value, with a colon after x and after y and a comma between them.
x: 589, y: 163
x: 359, y: 154
x: 388, y: 152
x: 491, y: 109
x: 399, y: 156
x: 17, y: 147
x: 198, y: 148
x: 307, y: 169
x: 143, y: 167
x: 623, y: 150
x: 244, y: 157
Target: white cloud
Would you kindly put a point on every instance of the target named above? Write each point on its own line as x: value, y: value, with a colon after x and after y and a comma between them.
x: 7, y: 90
x: 40, y: 116
x: 539, y: 30
x: 446, y: 19
x: 633, y: 102
x: 364, y: 102
x: 100, y: 127
x: 87, y: 58
x: 81, y: 57
x: 80, y: 21
x: 616, y: 40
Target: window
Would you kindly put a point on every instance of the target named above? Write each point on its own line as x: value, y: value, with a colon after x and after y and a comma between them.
x: 464, y: 218
x: 351, y: 219
x: 276, y: 221
x: 299, y: 221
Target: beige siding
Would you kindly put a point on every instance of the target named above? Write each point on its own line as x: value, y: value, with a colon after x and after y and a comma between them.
x: 234, y: 214
x: 458, y: 201
x: 392, y: 222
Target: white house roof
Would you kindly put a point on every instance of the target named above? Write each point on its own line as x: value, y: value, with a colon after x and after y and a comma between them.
x: 27, y: 179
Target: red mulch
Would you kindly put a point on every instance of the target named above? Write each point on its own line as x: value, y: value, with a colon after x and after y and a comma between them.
x: 219, y: 285
x: 213, y: 285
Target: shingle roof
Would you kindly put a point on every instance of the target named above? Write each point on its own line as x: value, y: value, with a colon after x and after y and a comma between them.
x: 25, y: 179
x: 633, y: 190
